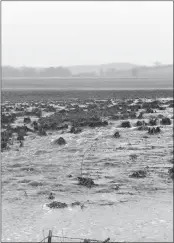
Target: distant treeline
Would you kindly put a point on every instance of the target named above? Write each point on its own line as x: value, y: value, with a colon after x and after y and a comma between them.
x: 153, y: 71
x: 8, y: 71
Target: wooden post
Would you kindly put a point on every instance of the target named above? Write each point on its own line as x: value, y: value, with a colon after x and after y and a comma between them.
x: 49, y: 236
x: 107, y: 240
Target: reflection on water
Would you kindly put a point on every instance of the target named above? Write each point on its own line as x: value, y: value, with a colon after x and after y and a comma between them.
x: 142, y: 220
x: 119, y: 207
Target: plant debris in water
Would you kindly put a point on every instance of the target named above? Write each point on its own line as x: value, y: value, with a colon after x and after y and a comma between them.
x: 139, y: 174
x: 75, y: 204
x: 56, y: 204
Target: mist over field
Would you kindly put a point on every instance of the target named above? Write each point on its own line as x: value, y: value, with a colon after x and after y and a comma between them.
x: 89, y: 77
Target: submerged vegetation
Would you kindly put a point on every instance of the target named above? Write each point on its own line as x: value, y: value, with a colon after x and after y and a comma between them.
x: 73, y: 118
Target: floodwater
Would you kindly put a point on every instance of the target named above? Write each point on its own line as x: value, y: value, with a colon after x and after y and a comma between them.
x: 119, y: 207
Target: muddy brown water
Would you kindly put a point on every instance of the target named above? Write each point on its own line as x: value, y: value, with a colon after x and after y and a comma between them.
x: 141, y: 210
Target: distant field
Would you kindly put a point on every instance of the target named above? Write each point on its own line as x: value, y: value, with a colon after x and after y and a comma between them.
x: 88, y: 83
x: 38, y: 95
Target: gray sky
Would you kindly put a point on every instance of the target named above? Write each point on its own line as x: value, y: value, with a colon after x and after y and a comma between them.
x: 77, y: 33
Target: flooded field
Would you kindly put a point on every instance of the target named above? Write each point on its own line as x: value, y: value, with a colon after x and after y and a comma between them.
x: 122, y: 204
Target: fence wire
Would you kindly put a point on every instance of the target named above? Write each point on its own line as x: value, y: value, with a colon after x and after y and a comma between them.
x: 80, y: 239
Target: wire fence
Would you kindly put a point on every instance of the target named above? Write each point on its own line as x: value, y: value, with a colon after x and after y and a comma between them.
x: 62, y: 238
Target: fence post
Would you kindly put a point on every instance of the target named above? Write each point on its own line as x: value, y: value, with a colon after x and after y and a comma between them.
x: 49, y: 236
x: 107, y: 240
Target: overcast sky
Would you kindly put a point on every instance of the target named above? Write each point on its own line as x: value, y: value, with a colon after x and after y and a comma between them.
x: 77, y: 33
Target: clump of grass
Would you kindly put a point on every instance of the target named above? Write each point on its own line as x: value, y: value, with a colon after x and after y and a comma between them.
x: 60, y: 141
x: 84, y: 181
x: 171, y: 172
x: 141, y: 123
x: 133, y: 156
x: 35, y: 112
x: 142, y: 128
x: 42, y: 132
x: 7, y: 118
x: 152, y: 105
x: 56, y: 204
x: 171, y: 105
x: 149, y: 110
x: 35, y: 183
x: 140, y: 116
x: 117, y: 134
x: 166, y: 121
x: 126, y: 124
x: 153, y: 122
x: 139, y: 174
x: 75, y: 130
x: 49, y: 108
x: 154, y: 130
x: 27, y: 120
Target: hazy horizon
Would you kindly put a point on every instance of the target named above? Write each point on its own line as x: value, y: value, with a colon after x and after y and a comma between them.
x: 99, y: 64
x: 45, y: 34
